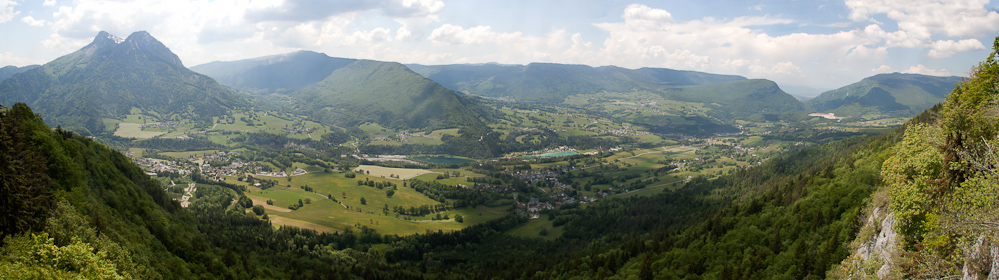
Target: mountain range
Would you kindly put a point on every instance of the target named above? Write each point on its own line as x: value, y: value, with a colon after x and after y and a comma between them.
x: 894, y: 94
x: 276, y: 73
x: 552, y: 83
x: 734, y: 97
x: 110, y: 76
x: 387, y: 93
x: 10, y: 70
x: 917, y: 201
x: 727, y: 97
x: 349, y: 92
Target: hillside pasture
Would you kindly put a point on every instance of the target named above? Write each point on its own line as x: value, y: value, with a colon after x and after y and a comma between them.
x: 325, y: 214
x: 386, y: 172
x: 134, y: 130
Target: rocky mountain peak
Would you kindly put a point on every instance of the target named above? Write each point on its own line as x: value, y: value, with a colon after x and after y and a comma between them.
x: 143, y: 42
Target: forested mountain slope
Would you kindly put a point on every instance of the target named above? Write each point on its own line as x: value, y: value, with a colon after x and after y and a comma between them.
x: 389, y: 94
x: 895, y: 94
x: 109, y: 77
x: 276, y: 73
x: 729, y: 97
x: 738, y: 99
x: 75, y: 209
x: 790, y: 218
x: 550, y: 82
x: 918, y: 202
x: 938, y: 216
x: 8, y: 71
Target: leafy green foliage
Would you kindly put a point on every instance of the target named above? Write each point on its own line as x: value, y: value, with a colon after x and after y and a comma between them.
x: 112, y: 220
x: 37, y: 257
x: 460, y: 197
x: 789, y: 218
x: 909, y: 173
x: 943, y: 181
x: 24, y: 185
x: 114, y: 195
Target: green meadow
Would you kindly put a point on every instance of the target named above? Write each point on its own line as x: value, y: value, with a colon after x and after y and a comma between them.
x: 325, y: 214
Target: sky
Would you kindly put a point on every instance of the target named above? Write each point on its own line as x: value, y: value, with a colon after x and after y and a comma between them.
x: 818, y: 43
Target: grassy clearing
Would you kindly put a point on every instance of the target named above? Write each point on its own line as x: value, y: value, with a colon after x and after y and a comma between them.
x: 752, y: 141
x: 375, y: 130
x: 269, y: 208
x: 386, y: 172
x: 282, y: 221
x: 532, y: 229
x: 134, y: 130
x: 323, y: 212
x: 439, y: 133
x: 652, y: 190
x: 453, y: 181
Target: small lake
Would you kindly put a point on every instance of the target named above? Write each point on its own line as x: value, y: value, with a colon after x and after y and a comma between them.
x: 558, y: 154
x: 442, y: 160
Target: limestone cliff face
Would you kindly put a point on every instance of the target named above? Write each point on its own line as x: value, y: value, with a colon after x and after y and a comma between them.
x: 883, y: 246
x: 876, y: 249
x: 982, y: 261
x: 878, y: 254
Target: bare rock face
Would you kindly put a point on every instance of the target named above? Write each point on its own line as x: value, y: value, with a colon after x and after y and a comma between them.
x: 994, y: 270
x: 982, y: 261
x: 875, y: 255
x: 885, y: 245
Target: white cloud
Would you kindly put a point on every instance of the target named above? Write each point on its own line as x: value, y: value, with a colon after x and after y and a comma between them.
x: 369, y: 36
x: 403, y: 33
x: 201, y: 31
x: 644, y: 17
x: 49, y: 3
x: 449, y: 34
x: 922, y: 19
x: 740, y: 46
x: 411, y: 31
x: 192, y: 27
x: 313, y: 10
x: 506, y: 47
x: 33, y: 22
x: 413, y: 8
x: 7, y: 12
x: 414, y: 28
x: 884, y: 68
x: 946, y: 48
x: 580, y: 50
x: 920, y: 69
x: 8, y: 58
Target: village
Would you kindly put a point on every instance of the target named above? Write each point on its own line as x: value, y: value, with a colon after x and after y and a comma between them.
x: 203, y: 164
